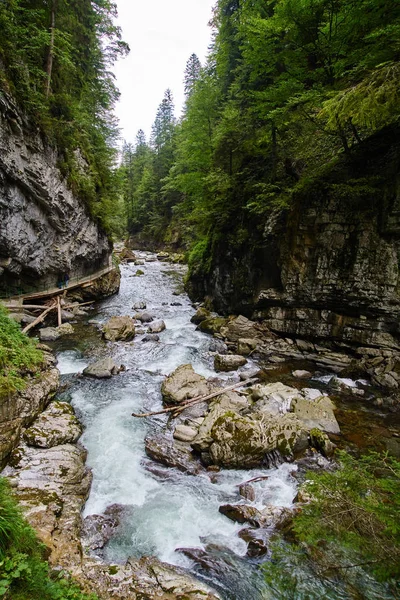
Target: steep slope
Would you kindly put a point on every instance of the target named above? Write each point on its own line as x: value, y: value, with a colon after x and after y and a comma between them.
x: 328, y: 267
x: 45, y: 229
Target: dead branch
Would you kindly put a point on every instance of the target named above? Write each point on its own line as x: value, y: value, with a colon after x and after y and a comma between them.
x: 179, y: 408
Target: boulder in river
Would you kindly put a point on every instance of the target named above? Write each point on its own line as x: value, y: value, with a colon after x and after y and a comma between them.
x: 172, y: 453
x: 242, y: 442
x: 185, y: 433
x: 200, y: 315
x: 228, y: 362
x: 151, y: 337
x: 50, y: 334
x: 240, y: 327
x: 316, y: 413
x: 119, y: 328
x: 139, y: 305
x: 156, y: 326
x: 144, y: 317
x: 246, y: 346
x: 182, y: 384
x: 212, y: 325
x: 102, y: 369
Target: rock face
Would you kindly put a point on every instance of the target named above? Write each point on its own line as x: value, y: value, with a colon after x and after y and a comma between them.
x: 119, y: 328
x: 327, y: 268
x: 45, y: 229
x: 55, y: 426
x: 20, y: 409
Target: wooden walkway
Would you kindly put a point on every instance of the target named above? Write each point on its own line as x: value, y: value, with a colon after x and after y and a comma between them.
x: 83, y: 282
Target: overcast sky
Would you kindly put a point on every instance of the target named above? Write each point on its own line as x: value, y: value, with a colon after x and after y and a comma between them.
x: 162, y: 34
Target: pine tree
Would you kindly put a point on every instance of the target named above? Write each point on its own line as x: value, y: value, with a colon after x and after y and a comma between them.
x: 192, y: 74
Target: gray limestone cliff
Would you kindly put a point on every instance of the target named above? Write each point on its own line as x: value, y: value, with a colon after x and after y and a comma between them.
x: 45, y: 230
x: 327, y: 268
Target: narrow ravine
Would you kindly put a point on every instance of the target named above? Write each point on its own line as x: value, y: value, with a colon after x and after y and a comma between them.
x: 164, y: 510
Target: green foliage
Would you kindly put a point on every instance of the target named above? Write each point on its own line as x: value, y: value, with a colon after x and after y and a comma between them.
x: 352, y: 523
x: 18, y: 355
x: 24, y: 574
x: 55, y: 58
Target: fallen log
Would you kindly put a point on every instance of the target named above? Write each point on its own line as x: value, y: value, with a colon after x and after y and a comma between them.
x: 39, y: 319
x: 261, y: 478
x: 181, y: 407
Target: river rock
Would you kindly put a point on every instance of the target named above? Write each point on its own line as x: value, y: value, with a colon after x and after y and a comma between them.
x: 119, y: 328
x: 183, y: 384
x: 273, y: 398
x: 316, y: 413
x: 247, y: 491
x: 240, y: 327
x: 97, y: 530
x: 246, y: 346
x: 52, y: 484
x: 242, y: 513
x: 241, y: 442
x: 150, y: 337
x: 144, y: 317
x: 146, y: 578
x: 212, y: 325
x: 257, y: 541
x: 102, y: 369
x: 320, y: 441
x: 200, y: 315
x: 172, y: 453
x: 228, y: 362
x: 57, y: 425
x: 139, y: 306
x: 66, y: 315
x: 50, y: 334
x: 301, y: 374
x: 184, y: 433
x: 156, y: 326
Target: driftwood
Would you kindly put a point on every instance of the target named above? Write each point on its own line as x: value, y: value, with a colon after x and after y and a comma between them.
x: 261, y: 478
x: 39, y: 319
x: 59, y: 319
x: 181, y: 407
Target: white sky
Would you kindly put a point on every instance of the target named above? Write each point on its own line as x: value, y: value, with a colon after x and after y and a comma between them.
x: 162, y: 34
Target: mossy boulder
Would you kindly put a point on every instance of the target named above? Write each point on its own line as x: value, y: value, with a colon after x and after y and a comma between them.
x: 201, y: 314
x: 212, y: 325
x: 55, y: 426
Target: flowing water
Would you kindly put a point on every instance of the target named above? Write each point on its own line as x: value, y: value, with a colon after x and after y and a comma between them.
x: 165, y: 509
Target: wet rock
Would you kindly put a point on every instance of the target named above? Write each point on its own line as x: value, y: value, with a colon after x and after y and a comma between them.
x: 50, y: 334
x: 219, y: 346
x: 240, y: 442
x: 163, y: 256
x: 145, y: 578
x: 176, y: 304
x: 55, y: 426
x: 156, y: 327
x: 139, y: 306
x: 20, y: 409
x: 127, y: 256
x: 119, y: 328
x: 242, y: 513
x: 256, y: 541
x: 273, y: 398
x: 246, y: 346
x: 183, y: 384
x: 97, y: 530
x: 316, y: 414
x: 139, y: 262
x: 228, y: 362
x: 172, y: 453
x: 320, y: 441
x: 202, y: 558
x: 150, y: 337
x: 184, y: 433
x: 212, y: 325
x: 52, y: 484
x: 144, y: 317
x: 102, y: 369
x: 66, y: 315
x: 247, y: 491
x: 301, y: 374
x: 200, y: 315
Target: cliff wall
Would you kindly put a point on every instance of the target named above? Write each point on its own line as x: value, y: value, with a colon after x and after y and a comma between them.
x: 45, y: 230
x: 328, y: 267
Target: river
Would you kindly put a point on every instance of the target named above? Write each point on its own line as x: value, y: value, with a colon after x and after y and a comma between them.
x: 165, y: 509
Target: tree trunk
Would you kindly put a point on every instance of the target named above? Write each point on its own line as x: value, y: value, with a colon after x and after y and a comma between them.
x: 50, y: 55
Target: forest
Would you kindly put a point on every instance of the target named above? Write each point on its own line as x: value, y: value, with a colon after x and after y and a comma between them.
x: 289, y: 88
